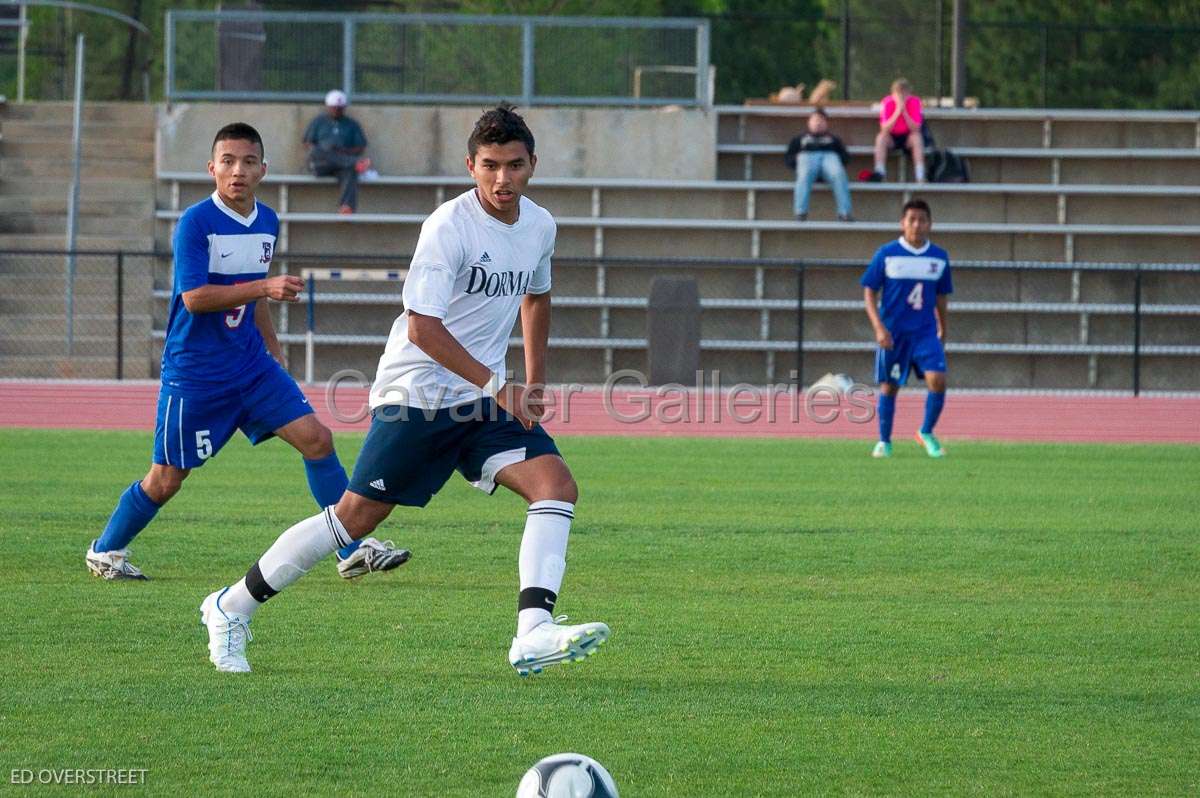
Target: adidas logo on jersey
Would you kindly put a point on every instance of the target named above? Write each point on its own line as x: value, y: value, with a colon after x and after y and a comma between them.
x: 485, y: 258
x: 378, y: 485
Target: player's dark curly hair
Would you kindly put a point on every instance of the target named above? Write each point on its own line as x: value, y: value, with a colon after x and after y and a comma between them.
x: 500, y: 125
x: 916, y: 204
x: 240, y: 131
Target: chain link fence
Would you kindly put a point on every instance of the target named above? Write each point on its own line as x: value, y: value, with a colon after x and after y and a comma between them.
x: 1009, y: 62
x: 436, y: 58
x: 78, y: 316
x: 1110, y: 61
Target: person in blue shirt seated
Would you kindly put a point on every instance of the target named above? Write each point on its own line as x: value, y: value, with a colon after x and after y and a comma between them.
x: 335, y: 144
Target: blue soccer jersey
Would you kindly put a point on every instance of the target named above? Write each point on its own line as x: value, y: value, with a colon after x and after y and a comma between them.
x: 215, y: 245
x: 911, y: 279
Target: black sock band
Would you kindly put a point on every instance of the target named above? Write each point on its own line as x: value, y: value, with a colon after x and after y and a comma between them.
x: 535, y: 598
x: 258, y: 586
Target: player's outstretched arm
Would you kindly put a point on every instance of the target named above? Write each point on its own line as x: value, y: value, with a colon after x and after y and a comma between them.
x: 871, y: 300
x: 214, y: 298
x: 430, y: 335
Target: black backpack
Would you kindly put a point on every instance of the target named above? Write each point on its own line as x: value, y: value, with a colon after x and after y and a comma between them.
x: 947, y: 166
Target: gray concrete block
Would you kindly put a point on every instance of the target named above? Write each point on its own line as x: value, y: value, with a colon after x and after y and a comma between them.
x: 989, y: 371
x: 1059, y: 372
x: 1091, y: 209
x: 571, y: 142
x: 735, y: 367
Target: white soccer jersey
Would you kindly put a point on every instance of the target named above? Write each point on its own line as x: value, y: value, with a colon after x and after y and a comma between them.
x: 470, y: 270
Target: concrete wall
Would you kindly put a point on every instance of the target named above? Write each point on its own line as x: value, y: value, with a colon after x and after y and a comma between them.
x: 424, y: 140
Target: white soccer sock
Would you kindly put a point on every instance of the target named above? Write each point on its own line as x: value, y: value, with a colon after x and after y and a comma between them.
x: 920, y: 172
x: 542, y: 561
x: 880, y: 166
x: 290, y: 557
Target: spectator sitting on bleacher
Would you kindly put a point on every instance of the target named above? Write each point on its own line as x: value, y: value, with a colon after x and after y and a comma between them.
x: 900, y: 118
x: 819, y: 153
x: 335, y: 144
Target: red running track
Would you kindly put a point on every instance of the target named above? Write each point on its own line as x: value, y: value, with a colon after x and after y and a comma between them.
x: 1003, y: 417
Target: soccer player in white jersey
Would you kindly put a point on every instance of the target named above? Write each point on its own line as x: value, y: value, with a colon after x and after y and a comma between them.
x: 441, y: 402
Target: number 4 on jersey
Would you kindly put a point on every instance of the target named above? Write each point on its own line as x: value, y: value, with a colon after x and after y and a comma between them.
x: 916, y: 297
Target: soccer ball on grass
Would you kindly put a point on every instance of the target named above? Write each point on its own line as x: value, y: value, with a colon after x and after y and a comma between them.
x: 567, y: 776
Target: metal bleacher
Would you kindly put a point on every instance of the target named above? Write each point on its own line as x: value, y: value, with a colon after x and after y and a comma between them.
x: 1046, y: 267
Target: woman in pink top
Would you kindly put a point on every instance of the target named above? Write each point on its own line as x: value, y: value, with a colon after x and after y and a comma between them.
x: 900, y: 120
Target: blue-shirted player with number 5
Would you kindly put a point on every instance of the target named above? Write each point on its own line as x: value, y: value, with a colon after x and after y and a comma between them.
x: 221, y: 362
x: 909, y: 280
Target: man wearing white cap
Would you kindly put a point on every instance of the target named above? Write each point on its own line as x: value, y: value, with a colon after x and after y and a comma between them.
x: 335, y: 144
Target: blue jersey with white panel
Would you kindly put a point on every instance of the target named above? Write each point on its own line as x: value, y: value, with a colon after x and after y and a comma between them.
x: 912, y: 279
x: 215, y: 245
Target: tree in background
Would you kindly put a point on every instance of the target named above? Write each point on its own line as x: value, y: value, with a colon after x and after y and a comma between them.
x: 760, y: 45
x: 1132, y: 54
x: 1020, y: 53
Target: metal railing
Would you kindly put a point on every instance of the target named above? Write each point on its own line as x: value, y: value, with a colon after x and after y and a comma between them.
x: 1128, y: 318
x: 436, y: 58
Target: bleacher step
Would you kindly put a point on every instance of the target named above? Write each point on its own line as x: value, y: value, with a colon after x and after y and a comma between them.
x: 25, y: 269
x: 56, y: 346
x: 89, y: 205
x: 44, y: 325
x: 93, y: 243
x: 24, y: 130
x: 119, y: 113
x: 62, y: 167
x: 92, y: 147
x: 90, y: 189
x: 89, y: 224
x: 93, y: 367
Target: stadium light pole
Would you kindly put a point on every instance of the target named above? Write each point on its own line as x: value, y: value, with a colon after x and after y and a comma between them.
x: 22, y: 39
x: 958, y: 63
x: 73, y: 199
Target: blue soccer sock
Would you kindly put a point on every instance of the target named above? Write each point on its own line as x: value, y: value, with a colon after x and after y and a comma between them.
x: 134, y: 511
x: 887, y: 413
x: 933, y: 408
x: 327, y: 481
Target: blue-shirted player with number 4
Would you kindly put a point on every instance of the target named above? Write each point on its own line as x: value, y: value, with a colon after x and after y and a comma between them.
x: 221, y: 362
x: 912, y: 278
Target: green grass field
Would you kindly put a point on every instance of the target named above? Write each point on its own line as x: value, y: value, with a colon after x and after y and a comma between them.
x: 789, y: 617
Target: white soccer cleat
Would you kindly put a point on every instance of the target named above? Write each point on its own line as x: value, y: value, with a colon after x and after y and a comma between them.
x: 111, y: 565
x: 372, y: 555
x: 227, y: 634
x: 551, y: 643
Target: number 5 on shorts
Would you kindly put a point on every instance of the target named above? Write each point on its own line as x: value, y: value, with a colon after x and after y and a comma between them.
x: 203, y: 444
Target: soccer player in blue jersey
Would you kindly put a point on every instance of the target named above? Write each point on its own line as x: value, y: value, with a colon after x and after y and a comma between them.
x: 221, y: 362
x: 912, y: 275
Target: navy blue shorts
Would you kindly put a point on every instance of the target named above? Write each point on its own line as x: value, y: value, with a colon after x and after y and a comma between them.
x: 409, y: 453
x: 920, y: 351
x: 192, y: 428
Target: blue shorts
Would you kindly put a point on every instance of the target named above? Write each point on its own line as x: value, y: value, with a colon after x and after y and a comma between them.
x: 193, y: 427
x: 922, y: 351
x: 409, y: 453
